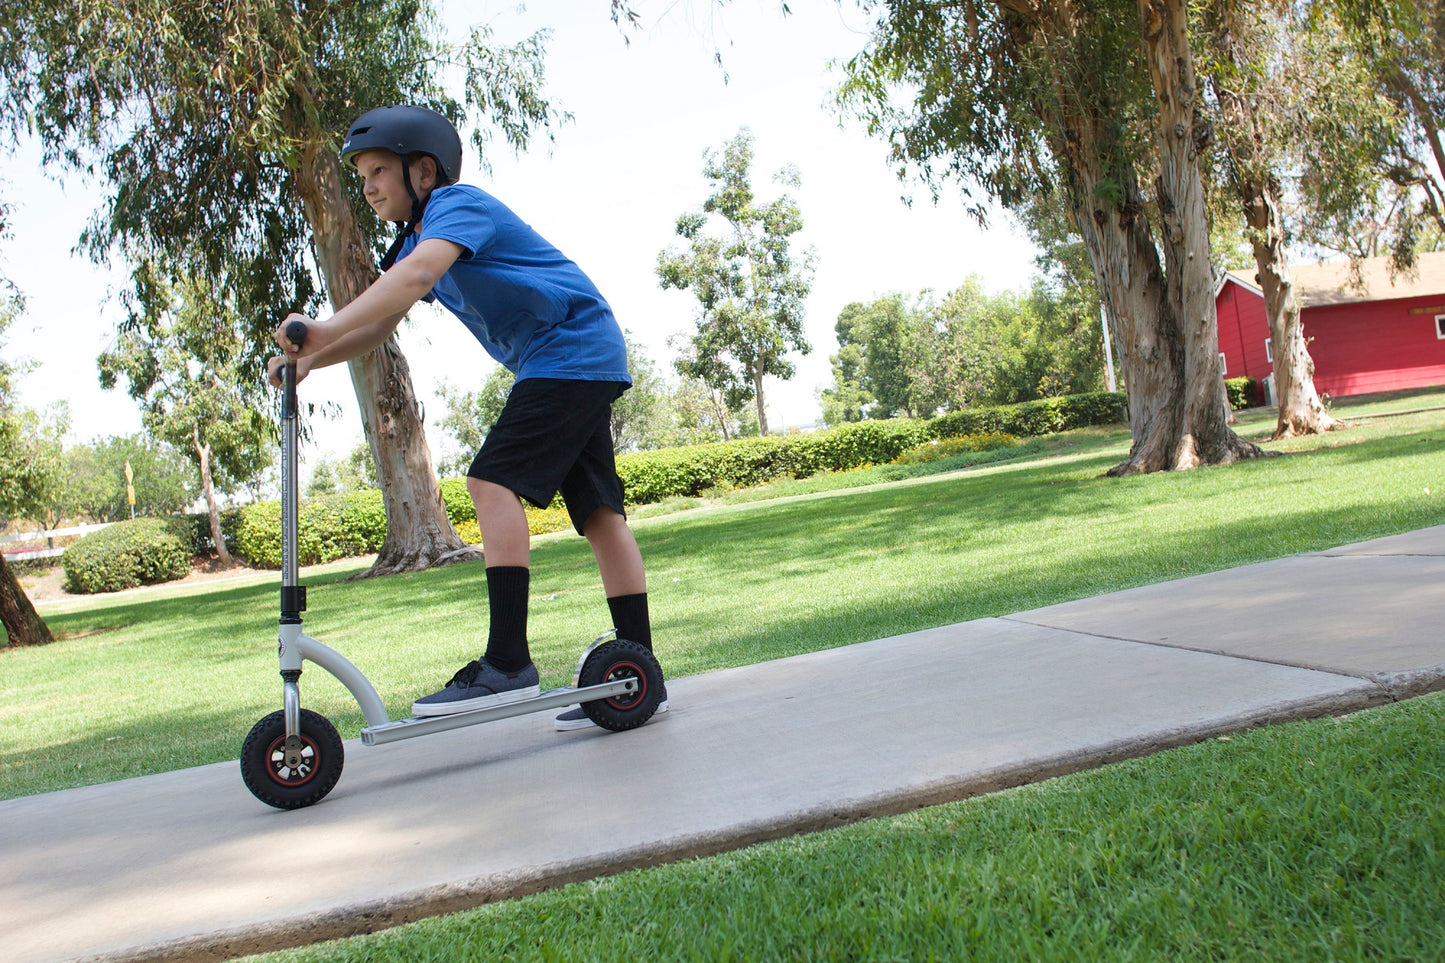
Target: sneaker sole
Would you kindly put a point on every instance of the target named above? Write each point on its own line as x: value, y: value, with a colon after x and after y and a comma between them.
x: 571, y: 725
x: 480, y: 702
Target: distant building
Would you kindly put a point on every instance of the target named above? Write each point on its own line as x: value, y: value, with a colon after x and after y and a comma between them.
x: 1366, y: 334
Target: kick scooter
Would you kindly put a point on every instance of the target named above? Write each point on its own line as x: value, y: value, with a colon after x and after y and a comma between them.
x: 292, y: 758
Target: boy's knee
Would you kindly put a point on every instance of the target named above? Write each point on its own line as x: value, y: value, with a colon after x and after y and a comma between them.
x: 603, y: 522
x: 485, y: 491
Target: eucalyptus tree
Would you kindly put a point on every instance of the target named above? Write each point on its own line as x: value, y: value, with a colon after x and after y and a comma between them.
x: 1016, y: 99
x: 184, y: 363
x: 1373, y: 182
x: 1259, y: 123
x: 1403, y: 43
x: 749, y: 284
x: 215, y: 128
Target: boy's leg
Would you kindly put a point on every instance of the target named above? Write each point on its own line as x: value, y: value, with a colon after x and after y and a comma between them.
x: 618, y: 559
x: 623, y: 578
x: 625, y: 582
x: 505, y: 673
x: 506, y: 543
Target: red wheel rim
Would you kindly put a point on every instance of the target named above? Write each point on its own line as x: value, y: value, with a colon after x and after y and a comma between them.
x: 623, y: 670
x: 288, y: 776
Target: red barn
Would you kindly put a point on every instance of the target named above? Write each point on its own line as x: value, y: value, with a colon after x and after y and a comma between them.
x: 1367, y: 333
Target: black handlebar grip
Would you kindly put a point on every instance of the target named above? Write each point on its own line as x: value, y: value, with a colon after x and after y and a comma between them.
x: 296, y: 333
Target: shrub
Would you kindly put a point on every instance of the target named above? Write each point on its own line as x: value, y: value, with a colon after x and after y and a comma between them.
x: 458, y: 502
x: 327, y: 528
x: 1244, y: 392
x: 954, y: 445
x: 652, y: 476
x: 143, y: 551
x: 258, y: 534
x: 553, y: 518
x: 1041, y: 417
x: 200, y: 530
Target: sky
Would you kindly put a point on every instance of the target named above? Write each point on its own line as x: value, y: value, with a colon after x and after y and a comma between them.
x: 647, y: 104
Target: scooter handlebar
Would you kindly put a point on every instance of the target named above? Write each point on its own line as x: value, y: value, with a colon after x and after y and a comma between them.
x: 296, y: 333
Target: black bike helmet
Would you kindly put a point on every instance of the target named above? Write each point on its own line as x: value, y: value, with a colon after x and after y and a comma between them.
x: 405, y: 130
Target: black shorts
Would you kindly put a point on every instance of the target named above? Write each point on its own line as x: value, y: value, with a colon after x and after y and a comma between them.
x: 555, y: 435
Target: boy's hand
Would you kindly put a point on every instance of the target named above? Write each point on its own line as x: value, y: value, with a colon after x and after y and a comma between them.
x: 274, y: 366
x: 314, y: 339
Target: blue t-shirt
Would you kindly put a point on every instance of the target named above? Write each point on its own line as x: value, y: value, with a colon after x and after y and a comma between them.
x: 531, y: 308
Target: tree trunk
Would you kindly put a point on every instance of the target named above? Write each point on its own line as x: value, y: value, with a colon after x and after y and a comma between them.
x: 1176, y: 401
x: 418, y: 532
x: 1126, y: 265
x: 23, y: 625
x: 203, y: 454
x: 758, y: 396
x: 1204, y: 436
x: 1300, y: 410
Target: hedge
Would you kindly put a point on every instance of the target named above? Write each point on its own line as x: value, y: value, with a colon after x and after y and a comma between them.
x: 142, y: 551
x: 689, y: 471
x: 354, y: 523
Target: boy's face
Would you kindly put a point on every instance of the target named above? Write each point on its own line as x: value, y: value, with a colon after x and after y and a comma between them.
x: 382, y: 184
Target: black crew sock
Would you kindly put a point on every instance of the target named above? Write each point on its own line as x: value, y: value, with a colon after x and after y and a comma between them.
x: 507, y: 588
x: 629, y: 617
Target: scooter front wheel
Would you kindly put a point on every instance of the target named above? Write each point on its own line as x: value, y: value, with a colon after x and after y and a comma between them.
x: 622, y: 659
x: 291, y: 776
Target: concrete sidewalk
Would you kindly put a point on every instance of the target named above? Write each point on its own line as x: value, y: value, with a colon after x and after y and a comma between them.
x: 189, y: 865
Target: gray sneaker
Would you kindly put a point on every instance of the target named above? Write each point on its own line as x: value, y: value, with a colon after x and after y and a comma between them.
x: 575, y: 718
x: 478, y: 685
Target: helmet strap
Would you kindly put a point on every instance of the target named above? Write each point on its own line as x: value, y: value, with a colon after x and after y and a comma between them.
x: 405, y: 229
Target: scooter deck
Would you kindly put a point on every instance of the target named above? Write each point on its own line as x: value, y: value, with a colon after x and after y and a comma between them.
x: 551, y: 699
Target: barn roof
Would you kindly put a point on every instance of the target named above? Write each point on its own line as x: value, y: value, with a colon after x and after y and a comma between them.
x: 1335, y: 282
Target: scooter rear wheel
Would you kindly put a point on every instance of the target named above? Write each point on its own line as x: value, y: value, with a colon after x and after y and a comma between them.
x: 292, y: 780
x: 621, y: 659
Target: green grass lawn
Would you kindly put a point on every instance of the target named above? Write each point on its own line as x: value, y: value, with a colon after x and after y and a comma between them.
x: 1318, y: 840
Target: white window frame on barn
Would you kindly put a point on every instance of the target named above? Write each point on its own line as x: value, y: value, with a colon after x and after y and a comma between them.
x: 1223, y: 364
x: 1440, y: 326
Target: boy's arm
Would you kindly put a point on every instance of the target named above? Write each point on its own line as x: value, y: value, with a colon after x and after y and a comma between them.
x: 373, y: 315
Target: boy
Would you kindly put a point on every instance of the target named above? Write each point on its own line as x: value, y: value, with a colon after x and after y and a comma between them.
x: 535, y: 312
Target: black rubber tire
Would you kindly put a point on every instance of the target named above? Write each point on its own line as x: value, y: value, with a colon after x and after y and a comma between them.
x: 264, y: 771
x: 618, y: 659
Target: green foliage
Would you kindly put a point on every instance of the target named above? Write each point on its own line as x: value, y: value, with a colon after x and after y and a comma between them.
x: 940, y: 448
x: 334, y: 476
x: 458, y: 501
x: 749, y: 285
x: 1040, y: 417
x: 202, y: 544
x: 328, y: 528
x: 128, y: 554
x: 689, y: 471
x: 469, y: 416
x: 184, y: 361
x: 164, y: 482
x: 1244, y: 392
x: 243, y: 105
x: 30, y: 449
x: 915, y: 358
